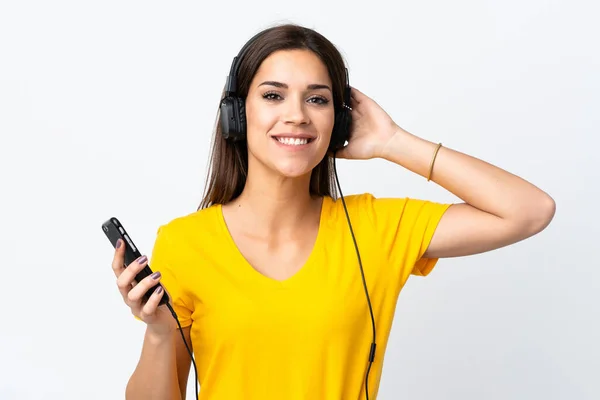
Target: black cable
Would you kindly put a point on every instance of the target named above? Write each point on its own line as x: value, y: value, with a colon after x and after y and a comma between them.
x: 186, y: 346
x: 373, y: 343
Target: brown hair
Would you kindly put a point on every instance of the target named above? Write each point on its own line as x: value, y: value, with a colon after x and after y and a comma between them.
x: 229, y: 159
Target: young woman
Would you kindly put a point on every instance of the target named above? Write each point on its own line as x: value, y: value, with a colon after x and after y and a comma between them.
x: 265, y: 277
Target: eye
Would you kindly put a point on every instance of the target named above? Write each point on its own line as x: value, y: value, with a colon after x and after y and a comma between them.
x: 319, y: 100
x: 272, y: 96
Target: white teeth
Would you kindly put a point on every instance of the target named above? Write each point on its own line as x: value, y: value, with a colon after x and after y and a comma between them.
x: 292, y: 141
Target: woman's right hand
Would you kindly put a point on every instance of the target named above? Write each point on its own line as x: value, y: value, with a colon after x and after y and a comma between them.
x: 160, y: 321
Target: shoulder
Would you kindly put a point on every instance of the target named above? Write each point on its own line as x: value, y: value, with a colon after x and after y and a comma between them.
x: 200, y: 222
x: 352, y: 202
x: 382, y: 211
x: 183, y: 239
x: 367, y: 204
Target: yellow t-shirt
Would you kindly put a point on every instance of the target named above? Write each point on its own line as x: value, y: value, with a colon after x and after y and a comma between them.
x: 307, y: 337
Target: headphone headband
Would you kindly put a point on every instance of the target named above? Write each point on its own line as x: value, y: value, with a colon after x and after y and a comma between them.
x: 231, y: 84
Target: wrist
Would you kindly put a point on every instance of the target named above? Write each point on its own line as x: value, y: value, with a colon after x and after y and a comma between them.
x: 158, y: 337
x: 392, y: 149
x: 410, y: 152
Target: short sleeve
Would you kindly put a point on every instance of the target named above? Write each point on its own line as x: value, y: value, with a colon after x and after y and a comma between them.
x: 405, y: 228
x: 164, y: 260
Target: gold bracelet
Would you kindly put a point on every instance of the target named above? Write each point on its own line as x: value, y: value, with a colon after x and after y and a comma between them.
x: 433, y: 161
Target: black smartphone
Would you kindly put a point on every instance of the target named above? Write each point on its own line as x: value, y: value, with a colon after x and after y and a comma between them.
x: 114, y: 230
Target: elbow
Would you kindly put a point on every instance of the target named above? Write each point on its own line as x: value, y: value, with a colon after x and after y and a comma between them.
x: 547, y: 209
x: 539, y: 215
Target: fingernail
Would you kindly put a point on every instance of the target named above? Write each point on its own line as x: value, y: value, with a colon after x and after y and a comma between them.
x: 156, y: 275
x: 118, y: 243
x: 159, y: 290
x: 142, y: 260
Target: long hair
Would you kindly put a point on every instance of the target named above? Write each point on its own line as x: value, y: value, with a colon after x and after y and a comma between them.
x: 228, y: 162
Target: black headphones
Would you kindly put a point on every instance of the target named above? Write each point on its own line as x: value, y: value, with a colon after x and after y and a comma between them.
x: 233, y: 109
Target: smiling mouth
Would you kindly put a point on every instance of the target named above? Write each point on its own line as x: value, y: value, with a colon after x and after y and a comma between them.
x: 293, y: 141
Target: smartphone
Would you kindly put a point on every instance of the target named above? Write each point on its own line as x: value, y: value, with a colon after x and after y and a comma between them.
x: 114, y: 230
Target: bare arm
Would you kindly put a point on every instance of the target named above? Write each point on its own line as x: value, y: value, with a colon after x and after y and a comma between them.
x: 164, y: 364
x: 499, y: 208
x: 163, y: 369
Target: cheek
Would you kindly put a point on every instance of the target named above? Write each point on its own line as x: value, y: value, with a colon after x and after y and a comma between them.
x: 259, y: 119
x: 259, y: 122
x: 324, y: 124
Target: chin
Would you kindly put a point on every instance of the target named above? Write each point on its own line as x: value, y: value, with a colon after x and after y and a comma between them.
x: 294, y: 168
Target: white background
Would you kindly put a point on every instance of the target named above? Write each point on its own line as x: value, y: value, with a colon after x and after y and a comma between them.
x: 107, y: 109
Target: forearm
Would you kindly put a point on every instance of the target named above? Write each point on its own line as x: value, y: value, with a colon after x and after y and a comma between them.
x: 155, y: 376
x: 476, y: 182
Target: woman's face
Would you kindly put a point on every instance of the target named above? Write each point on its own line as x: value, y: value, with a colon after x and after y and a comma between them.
x: 290, y: 113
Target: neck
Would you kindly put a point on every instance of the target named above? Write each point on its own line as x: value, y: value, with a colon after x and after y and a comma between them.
x: 276, y: 206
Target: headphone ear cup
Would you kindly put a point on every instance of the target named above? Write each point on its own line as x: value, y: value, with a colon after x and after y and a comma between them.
x: 233, y: 118
x: 341, y: 129
x: 241, y: 117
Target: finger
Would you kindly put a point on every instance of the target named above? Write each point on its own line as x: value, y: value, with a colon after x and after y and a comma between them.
x: 357, y: 95
x: 126, y: 280
x: 118, y: 256
x: 152, y: 304
x: 135, y: 294
x: 355, y: 109
x: 356, y: 103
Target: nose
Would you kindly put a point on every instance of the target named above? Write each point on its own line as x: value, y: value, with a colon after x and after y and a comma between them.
x: 295, y: 112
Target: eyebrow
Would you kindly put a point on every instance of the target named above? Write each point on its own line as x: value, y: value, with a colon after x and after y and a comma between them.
x: 312, y: 86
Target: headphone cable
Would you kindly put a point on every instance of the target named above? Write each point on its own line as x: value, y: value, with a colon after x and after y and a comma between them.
x: 174, y: 314
x: 373, y: 343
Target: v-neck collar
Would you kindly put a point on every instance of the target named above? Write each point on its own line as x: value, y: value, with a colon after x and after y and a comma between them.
x: 257, y: 277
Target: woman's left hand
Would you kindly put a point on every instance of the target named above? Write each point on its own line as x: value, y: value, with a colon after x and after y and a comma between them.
x: 372, y: 128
